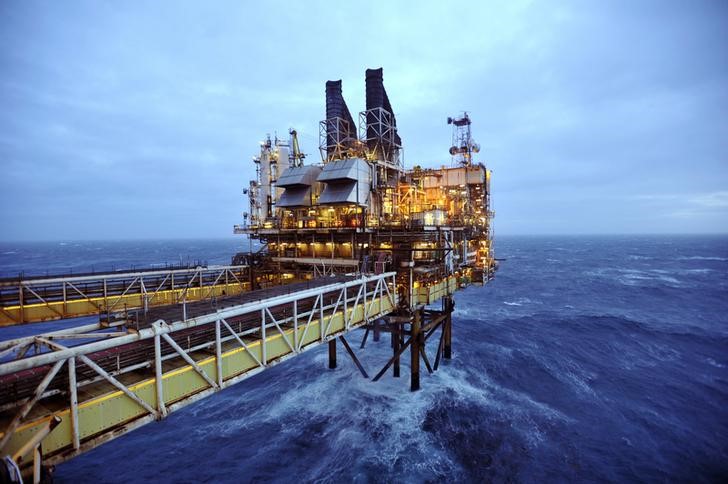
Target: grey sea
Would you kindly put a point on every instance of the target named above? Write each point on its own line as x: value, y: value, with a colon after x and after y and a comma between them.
x: 587, y: 359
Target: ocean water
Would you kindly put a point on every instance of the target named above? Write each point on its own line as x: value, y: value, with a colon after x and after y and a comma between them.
x: 587, y: 359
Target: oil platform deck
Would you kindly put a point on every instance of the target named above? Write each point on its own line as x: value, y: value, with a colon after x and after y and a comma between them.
x: 356, y: 241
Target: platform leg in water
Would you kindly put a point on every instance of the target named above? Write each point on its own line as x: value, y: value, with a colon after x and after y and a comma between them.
x: 332, y: 353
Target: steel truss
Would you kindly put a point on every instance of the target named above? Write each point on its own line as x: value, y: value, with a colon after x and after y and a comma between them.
x: 172, y: 375
x: 337, y: 138
x: 43, y: 299
x: 379, y: 133
x: 420, y: 325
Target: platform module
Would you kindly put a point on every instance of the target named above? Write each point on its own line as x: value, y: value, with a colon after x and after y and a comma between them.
x: 360, y: 209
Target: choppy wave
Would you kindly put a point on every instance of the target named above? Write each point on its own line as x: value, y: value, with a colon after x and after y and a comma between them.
x: 631, y: 277
x: 639, y: 257
x: 700, y: 257
x: 637, y: 277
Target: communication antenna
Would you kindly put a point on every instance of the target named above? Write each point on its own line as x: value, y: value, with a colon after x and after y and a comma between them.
x: 463, y: 146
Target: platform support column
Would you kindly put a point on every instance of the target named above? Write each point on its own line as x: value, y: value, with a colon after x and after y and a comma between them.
x: 447, y: 328
x: 332, y: 353
x: 415, y: 351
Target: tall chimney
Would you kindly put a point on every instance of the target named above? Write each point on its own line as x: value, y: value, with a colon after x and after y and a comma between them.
x: 377, y: 98
x: 336, y: 108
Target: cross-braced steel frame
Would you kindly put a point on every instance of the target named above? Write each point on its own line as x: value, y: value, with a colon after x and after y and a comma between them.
x: 237, y: 342
x: 27, y: 300
x: 337, y: 139
x: 379, y: 133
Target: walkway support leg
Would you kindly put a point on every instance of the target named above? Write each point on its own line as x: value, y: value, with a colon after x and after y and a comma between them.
x: 332, y: 353
x: 353, y: 356
x: 395, y: 348
x: 447, y: 330
x: 415, y: 352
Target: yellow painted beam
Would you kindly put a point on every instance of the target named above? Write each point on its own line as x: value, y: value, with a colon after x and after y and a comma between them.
x: 73, y: 308
x: 434, y: 291
x: 111, y: 412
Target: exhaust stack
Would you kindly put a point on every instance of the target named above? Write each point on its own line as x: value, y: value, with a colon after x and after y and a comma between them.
x: 381, y: 126
x: 339, y: 125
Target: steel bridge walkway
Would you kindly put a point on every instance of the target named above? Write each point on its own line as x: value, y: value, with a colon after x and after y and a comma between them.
x: 75, y: 389
x: 38, y: 298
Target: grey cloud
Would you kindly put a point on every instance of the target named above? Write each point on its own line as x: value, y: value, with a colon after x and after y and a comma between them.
x: 139, y: 119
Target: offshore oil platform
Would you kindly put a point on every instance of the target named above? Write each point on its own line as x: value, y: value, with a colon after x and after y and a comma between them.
x: 356, y: 241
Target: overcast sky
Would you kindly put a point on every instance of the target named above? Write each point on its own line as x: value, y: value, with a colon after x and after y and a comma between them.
x: 139, y: 119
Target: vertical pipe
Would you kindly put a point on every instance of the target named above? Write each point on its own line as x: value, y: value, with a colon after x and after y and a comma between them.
x: 73, y: 392
x: 332, y: 353
x: 415, y: 352
x: 37, y: 462
x: 158, y: 380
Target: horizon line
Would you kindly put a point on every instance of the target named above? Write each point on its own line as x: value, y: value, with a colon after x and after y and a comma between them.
x: 495, y: 237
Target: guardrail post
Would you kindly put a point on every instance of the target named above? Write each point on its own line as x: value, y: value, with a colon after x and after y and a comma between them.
x: 158, y: 379
x: 73, y: 397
